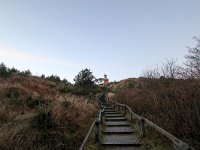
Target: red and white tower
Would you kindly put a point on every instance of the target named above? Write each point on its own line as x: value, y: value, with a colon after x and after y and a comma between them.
x: 106, y: 80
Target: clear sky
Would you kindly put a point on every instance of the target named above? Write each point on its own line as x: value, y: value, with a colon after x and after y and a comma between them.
x: 118, y: 37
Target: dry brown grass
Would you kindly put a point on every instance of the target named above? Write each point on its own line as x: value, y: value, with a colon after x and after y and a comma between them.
x: 24, y: 103
x: 172, y: 104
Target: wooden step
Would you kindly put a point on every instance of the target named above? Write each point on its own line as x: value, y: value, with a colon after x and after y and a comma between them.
x: 118, y: 130
x: 109, y: 110
x: 108, y: 107
x: 120, y: 148
x: 117, y: 123
x: 115, y: 119
x: 113, y: 115
x: 120, y: 140
x: 105, y: 104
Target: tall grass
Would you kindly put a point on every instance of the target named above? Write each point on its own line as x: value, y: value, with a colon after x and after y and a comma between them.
x: 172, y: 104
x: 35, y: 114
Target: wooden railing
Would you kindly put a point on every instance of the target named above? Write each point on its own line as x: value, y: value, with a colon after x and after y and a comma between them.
x: 180, y: 145
x: 96, y: 123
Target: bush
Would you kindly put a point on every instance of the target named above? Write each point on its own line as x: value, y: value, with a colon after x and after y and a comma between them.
x: 25, y: 73
x: 32, y: 103
x: 4, y: 71
x: 13, y: 95
x: 53, y: 78
x: 14, y: 71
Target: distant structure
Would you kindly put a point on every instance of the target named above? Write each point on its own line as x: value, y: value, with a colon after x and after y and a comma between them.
x: 106, y: 80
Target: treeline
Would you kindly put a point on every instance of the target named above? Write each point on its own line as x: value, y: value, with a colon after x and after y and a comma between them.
x: 8, y: 72
x: 170, y: 96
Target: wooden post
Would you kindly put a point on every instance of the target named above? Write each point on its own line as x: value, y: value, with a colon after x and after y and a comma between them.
x: 100, y: 105
x: 131, y: 116
x: 124, y: 110
x: 97, y: 131
x: 101, y: 117
x: 142, y: 122
x: 118, y: 107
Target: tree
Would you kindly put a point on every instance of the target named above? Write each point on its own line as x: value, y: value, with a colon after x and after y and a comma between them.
x: 14, y: 71
x: 170, y: 69
x: 54, y: 78
x: 27, y: 72
x: 4, y: 71
x: 193, y: 60
x: 85, y: 78
x: 65, y: 81
x: 85, y: 83
x: 43, y: 76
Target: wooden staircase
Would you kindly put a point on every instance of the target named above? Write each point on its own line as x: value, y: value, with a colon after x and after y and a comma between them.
x: 117, y: 133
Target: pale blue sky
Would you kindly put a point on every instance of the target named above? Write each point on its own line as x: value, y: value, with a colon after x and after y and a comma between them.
x: 118, y: 37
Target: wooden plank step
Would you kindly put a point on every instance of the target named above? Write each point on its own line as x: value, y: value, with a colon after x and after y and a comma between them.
x: 117, y: 123
x: 109, y: 110
x: 120, y: 140
x: 120, y: 148
x: 105, y: 104
x: 108, y: 106
x: 115, y: 119
x: 113, y: 115
x: 118, y: 130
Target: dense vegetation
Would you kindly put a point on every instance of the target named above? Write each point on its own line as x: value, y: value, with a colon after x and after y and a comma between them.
x: 168, y: 95
x: 42, y: 112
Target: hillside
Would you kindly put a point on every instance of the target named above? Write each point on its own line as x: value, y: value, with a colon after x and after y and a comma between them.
x: 173, y: 104
x: 126, y: 84
x: 42, y: 114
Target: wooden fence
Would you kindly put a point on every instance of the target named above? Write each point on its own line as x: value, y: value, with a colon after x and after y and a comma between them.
x: 96, y: 123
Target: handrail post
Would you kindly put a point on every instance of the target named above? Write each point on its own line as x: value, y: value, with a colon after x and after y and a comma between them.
x: 97, y: 131
x: 142, y: 122
x: 131, y: 116
x: 101, y: 117
x: 124, y: 110
x: 100, y: 105
x: 118, y: 107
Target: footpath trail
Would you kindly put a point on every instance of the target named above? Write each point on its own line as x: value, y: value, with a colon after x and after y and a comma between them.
x: 117, y: 133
